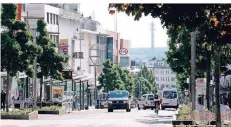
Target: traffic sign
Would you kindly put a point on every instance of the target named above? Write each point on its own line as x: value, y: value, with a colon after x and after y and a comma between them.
x: 123, y: 51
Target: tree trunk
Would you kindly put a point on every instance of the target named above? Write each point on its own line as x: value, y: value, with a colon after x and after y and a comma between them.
x: 7, y: 91
x: 208, y: 78
x: 217, y: 86
x: 41, y: 91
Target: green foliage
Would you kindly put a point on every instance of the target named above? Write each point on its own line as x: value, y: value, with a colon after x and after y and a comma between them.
x: 145, y: 78
x: 127, y: 79
x: 17, y: 112
x: 184, y: 113
x: 50, y: 61
x: 110, y: 78
x: 18, y: 52
x: 51, y: 108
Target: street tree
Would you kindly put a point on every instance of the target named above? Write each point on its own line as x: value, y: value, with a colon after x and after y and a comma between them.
x: 211, y: 19
x: 50, y: 62
x: 17, y: 50
x: 110, y: 79
x: 145, y: 82
x: 127, y: 79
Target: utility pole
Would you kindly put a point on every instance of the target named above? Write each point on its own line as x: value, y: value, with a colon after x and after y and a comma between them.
x: 35, y: 61
x: 193, y: 69
x: 35, y: 74
x: 95, y: 64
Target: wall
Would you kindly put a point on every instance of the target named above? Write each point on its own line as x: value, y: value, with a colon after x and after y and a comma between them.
x: 67, y: 29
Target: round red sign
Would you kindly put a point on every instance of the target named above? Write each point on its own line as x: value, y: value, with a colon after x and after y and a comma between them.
x: 123, y: 51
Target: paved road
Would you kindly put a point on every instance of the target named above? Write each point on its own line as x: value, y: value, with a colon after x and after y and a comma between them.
x: 99, y: 118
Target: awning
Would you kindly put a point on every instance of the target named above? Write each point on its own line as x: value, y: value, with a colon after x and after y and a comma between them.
x: 20, y: 75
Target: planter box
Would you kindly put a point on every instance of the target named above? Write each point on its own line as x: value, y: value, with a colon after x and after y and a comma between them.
x: 54, y: 112
x: 30, y: 116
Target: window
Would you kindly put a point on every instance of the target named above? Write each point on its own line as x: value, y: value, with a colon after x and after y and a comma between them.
x: 172, y: 79
x: 54, y: 17
x: 173, y: 86
x: 51, y: 19
x: 48, y: 17
x: 169, y: 79
x: 57, y: 20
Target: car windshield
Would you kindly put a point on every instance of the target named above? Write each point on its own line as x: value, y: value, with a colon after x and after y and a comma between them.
x: 118, y: 94
x: 150, y: 97
x: 169, y: 94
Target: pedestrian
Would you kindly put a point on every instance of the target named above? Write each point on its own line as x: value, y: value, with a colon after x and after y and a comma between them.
x: 3, y: 100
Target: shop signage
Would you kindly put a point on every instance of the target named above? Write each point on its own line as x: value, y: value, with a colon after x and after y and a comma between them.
x: 67, y: 74
x: 63, y: 46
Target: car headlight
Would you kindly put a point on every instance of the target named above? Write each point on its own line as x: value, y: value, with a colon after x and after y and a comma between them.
x: 125, y: 101
x: 109, y: 102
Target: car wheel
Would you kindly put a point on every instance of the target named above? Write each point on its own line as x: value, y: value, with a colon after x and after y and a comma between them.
x: 128, y: 110
x: 144, y: 107
x: 138, y: 107
x: 152, y: 108
x: 110, y: 110
x: 162, y: 108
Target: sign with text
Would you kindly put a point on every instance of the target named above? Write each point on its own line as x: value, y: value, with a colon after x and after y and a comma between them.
x: 123, y: 51
x: 63, y: 46
x: 200, y: 85
x: 67, y: 74
x: 110, y: 48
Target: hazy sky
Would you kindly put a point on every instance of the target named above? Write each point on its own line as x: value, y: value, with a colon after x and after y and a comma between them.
x: 139, y: 32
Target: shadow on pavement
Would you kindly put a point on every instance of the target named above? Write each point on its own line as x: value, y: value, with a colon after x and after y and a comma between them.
x: 160, y: 116
x: 154, y: 121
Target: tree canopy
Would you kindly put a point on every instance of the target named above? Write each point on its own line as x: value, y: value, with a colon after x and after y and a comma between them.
x: 17, y: 50
x: 145, y: 78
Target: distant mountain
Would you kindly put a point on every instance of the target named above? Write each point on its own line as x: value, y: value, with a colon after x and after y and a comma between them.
x: 148, y: 53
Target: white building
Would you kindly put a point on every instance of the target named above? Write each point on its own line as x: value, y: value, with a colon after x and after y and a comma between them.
x: 164, y: 76
x: 72, y: 33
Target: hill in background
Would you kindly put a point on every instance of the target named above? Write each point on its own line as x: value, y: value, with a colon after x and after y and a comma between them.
x: 148, y: 53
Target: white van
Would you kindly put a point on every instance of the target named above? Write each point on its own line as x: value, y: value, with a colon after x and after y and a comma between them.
x: 146, y: 101
x: 169, y: 98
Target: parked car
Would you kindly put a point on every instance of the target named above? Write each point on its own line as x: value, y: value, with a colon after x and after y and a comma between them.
x: 146, y: 101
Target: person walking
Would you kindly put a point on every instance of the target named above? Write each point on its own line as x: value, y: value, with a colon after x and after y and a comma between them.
x: 3, y: 100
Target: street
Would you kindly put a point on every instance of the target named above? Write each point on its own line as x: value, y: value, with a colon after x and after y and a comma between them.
x: 99, y: 118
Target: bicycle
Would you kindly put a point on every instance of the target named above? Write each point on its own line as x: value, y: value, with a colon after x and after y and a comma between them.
x: 157, y: 108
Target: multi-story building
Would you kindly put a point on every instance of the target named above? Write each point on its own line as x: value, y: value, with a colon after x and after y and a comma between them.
x: 124, y: 52
x: 113, y: 42
x: 164, y: 76
x: 74, y: 35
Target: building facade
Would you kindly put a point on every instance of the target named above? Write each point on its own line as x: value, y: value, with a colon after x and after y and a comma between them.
x: 73, y: 34
x: 164, y: 76
x: 124, y: 52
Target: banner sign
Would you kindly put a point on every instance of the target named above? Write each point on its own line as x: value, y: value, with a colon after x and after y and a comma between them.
x: 63, y: 46
x: 110, y: 48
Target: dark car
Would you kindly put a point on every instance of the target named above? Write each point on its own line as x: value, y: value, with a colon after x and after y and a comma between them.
x: 119, y: 99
